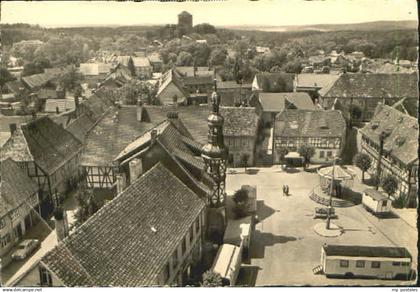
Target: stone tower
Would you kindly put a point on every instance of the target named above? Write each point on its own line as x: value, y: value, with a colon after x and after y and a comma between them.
x: 185, y: 22
x: 215, y: 154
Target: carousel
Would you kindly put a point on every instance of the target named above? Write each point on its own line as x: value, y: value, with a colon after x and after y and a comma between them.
x: 338, y: 177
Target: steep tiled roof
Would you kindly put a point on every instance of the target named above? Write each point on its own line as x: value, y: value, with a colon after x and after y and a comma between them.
x: 310, y: 123
x: 171, y: 77
x: 276, y: 102
x: 275, y: 82
x: 111, y: 135
x: 38, y: 80
x: 375, y: 85
x: 15, y: 186
x: 402, y: 141
x: 42, y: 141
x: 127, y: 247
x: 239, y: 121
x: 323, y: 81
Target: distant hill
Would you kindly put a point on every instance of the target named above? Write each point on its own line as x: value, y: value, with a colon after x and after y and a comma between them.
x: 365, y: 26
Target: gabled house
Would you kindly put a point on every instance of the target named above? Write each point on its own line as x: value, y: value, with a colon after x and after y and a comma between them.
x: 143, y: 67
x: 323, y: 129
x: 316, y: 85
x: 48, y: 153
x: 398, y: 156
x: 366, y: 90
x: 157, y: 246
x: 269, y: 105
x: 234, y: 94
x: 171, y: 89
x: 19, y: 204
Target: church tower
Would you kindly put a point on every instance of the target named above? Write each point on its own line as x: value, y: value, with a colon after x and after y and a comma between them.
x: 215, y: 154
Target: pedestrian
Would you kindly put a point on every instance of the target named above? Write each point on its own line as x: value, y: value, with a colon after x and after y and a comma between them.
x: 287, y: 190
x: 284, y: 190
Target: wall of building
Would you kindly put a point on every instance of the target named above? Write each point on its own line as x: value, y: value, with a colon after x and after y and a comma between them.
x: 180, y: 261
x: 99, y: 176
x: 239, y: 146
x: 166, y: 97
x: 144, y: 72
x: 32, y: 279
x: 11, y: 222
x: 406, y: 175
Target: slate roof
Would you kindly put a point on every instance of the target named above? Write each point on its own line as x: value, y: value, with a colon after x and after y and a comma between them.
x: 375, y: 85
x: 366, y: 251
x: 239, y: 121
x: 123, y: 249
x: 115, y: 130
x: 322, y: 81
x: 402, y: 142
x: 275, y: 82
x: 277, y: 102
x: 310, y: 123
x: 42, y: 141
x: 38, y: 80
x: 16, y: 187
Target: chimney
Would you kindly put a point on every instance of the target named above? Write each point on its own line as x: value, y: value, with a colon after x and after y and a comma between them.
x: 153, y: 135
x: 121, y: 182
x: 139, y: 110
x: 12, y: 128
x: 136, y: 169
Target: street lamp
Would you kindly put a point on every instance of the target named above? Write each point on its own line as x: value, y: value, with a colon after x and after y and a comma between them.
x: 330, y: 208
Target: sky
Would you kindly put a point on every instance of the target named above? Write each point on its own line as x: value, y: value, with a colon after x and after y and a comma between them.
x: 218, y: 13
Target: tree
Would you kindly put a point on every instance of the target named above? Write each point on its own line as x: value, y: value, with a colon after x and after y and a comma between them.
x: 389, y: 184
x: 204, y: 28
x: 184, y: 59
x: 130, y: 66
x: 293, y: 67
x: 212, y: 279
x: 362, y: 161
x: 240, y: 197
x: 217, y: 57
x: 87, y: 206
x: 282, y: 152
x: 5, y: 76
x: 70, y: 79
x: 306, y: 151
x: 244, y: 159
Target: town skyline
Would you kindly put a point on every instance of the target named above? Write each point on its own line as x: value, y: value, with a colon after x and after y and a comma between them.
x: 280, y: 13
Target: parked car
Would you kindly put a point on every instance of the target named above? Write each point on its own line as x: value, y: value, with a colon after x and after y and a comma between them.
x: 25, y: 248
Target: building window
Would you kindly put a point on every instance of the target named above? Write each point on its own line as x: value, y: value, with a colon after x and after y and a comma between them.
x: 344, y: 264
x: 321, y: 154
x: 184, y: 245
x: 45, y: 277
x: 384, y: 203
x: 396, y: 263
x: 376, y: 265
x: 329, y: 154
x: 5, y: 240
x: 405, y: 264
x: 360, y: 264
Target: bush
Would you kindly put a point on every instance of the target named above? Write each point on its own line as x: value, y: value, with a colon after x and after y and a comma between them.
x: 389, y: 185
x: 240, y: 197
x: 212, y: 279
